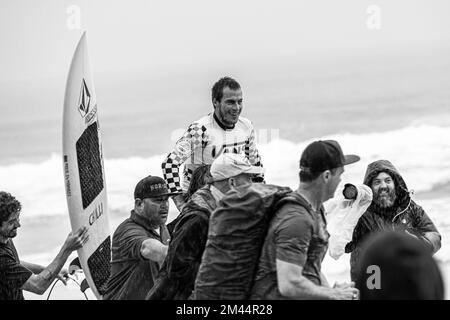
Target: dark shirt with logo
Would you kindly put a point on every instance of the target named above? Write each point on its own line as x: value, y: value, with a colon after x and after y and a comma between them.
x: 298, y: 236
x: 132, y: 275
x: 12, y: 274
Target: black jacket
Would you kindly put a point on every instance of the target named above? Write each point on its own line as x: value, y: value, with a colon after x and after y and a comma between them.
x: 405, y: 215
x: 176, y: 278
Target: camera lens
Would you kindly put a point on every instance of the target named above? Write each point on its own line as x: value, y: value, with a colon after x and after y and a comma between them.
x: 350, y: 191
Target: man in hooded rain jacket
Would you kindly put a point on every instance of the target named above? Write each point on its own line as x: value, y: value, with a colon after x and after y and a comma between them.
x: 392, y: 209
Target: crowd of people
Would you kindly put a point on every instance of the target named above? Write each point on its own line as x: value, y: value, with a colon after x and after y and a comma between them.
x: 154, y: 260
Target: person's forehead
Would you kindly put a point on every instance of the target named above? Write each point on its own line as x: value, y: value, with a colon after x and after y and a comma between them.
x: 383, y: 175
x: 158, y: 198
x: 228, y: 93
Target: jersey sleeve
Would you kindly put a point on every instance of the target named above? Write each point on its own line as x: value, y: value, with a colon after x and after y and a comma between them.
x: 193, y: 138
x: 251, y: 152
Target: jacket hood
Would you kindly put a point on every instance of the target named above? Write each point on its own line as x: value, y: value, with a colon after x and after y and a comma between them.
x: 374, y: 168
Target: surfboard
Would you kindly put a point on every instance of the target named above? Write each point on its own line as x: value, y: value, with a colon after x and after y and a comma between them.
x: 83, y: 168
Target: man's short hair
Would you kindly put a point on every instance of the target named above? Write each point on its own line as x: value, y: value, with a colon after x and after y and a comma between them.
x: 217, y: 89
x: 306, y: 176
x: 8, y: 205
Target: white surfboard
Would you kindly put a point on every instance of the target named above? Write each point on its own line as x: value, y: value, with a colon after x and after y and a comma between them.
x: 84, y: 172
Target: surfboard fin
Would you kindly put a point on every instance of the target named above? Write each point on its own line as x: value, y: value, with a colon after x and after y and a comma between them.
x: 84, y: 285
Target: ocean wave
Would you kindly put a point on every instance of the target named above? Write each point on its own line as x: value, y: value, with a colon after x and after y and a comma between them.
x: 420, y: 152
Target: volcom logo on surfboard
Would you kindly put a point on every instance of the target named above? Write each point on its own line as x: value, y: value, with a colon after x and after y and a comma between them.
x: 84, y: 100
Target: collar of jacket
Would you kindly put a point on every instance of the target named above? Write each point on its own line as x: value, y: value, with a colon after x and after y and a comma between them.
x: 223, y: 126
x: 203, y: 198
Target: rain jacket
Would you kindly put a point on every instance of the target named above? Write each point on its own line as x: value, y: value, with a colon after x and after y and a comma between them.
x: 176, y: 278
x: 404, y: 215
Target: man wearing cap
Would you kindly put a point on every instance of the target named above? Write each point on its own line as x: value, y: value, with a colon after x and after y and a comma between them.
x: 177, y: 276
x: 221, y: 131
x: 140, y: 242
x: 392, y: 209
x: 297, y: 238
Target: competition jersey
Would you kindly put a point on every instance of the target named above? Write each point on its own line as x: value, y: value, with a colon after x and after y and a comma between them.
x: 203, y: 141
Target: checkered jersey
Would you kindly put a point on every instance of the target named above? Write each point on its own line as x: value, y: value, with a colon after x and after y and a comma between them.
x: 203, y: 141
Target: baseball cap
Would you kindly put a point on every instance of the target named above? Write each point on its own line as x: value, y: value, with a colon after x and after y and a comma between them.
x: 229, y: 165
x: 324, y: 155
x: 152, y: 187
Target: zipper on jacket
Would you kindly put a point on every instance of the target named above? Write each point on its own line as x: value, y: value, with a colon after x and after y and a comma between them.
x: 409, y: 203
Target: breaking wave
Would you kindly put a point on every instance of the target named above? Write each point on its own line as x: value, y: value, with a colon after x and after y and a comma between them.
x: 421, y: 153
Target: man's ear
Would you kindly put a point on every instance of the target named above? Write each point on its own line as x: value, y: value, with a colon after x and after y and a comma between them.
x: 326, y: 175
x: 138, y: 203
x: 215, y: 103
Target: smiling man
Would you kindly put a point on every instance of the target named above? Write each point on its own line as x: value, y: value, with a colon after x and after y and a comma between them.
x: 221, y: 131
x: 140, y: 242
x: 392, y: 209
x: 17, y: 275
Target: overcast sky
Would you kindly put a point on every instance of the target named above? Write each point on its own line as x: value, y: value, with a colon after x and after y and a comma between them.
x: 145, y: 34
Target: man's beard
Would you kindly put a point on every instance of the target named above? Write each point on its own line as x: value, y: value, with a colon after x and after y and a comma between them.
x: 387, y: 200
x: 10, y: 234
x: 227, y: 122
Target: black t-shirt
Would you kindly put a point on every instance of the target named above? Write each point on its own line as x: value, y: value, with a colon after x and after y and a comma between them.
x: 12, y: 274
x: 132, y: 276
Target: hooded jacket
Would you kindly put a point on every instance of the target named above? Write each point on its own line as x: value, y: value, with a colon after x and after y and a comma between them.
x: 177, y: 275
x: 404, y: 215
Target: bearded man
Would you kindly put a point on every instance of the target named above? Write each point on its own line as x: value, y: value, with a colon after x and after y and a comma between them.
x: 392, y: 209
